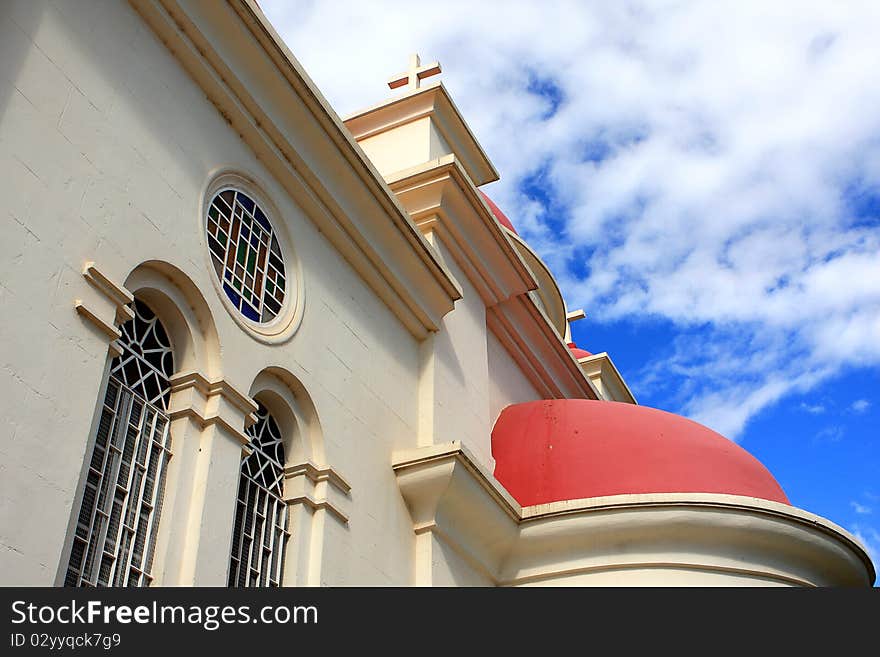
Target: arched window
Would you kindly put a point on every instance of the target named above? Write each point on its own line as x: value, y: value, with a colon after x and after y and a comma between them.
x: 260, y: 530
x: 119, y: 508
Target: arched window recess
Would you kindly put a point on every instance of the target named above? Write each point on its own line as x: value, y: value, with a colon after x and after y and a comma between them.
x: 261, y: 517
x: 119, y: 508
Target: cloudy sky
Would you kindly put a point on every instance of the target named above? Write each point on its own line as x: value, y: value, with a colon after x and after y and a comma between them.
x: 704, y: 180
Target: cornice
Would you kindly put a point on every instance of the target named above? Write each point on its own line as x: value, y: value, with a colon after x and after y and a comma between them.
x: 730, y: 534
x: 319, y: 488
x: 532, y: 341
x: 211, y: 402
x: 430, y: 100
x: 451, y: 496
x: 210, y: 387
x: 290, y: 127
x: 440, y: 196
x: 600, y: 365
x: 318, y: 474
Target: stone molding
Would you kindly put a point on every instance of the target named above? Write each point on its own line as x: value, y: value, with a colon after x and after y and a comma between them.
x: 284, y: 119
x: 115, y: 293
x: 606, y: 378
x: 452, y: 497
x: 211, y: 401
x: 106, y: 307
x: 318, y: 488
x: 432, y: 101
x: 440, y: 197
x: 528, y: 336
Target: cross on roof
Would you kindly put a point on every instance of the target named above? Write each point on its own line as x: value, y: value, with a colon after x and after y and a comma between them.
x: 416, y: 73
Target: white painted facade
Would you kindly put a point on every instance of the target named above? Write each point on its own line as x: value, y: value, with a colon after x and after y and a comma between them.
x: 409, y: 323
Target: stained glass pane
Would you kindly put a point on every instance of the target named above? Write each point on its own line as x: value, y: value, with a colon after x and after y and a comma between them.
x: 243, y: 252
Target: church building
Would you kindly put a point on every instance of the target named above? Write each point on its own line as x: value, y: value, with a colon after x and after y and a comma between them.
x: 248, y: 342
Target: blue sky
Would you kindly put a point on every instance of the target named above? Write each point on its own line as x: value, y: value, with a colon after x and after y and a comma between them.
x: 703, y: 178
x: 821, y: 445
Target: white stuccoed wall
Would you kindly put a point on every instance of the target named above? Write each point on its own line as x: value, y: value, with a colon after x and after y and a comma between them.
x: 107, y: 146
x: 507, y: 384
x: 459, y: 378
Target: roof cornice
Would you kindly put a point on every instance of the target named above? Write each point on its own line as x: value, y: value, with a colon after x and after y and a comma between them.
x: 440, y: 196
x: 531, y: 340
x: 452, y: 497
x: 292, y: 129
x: 600, y: 366
x: 431, y: 100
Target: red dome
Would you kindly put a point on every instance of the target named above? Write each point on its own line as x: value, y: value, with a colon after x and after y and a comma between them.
x: 499, y: 215
x: 568, y: 449
x: 578, y: 353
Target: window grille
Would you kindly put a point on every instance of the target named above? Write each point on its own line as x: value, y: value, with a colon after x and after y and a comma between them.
x: 121, y: 503
x: 260, y: 526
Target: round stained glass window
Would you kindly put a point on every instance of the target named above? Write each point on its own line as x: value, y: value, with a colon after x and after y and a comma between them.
x: 246, y: 255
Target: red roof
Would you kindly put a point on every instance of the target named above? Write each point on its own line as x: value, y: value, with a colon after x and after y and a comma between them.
x: 499, y: 215
x: 567, y: 449
x: 577, y: 352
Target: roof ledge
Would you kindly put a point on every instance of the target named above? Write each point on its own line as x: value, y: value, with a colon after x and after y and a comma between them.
x: 606, y: 378
x: 663, y: 539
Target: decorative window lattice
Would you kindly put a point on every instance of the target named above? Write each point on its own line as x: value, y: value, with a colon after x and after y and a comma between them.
x: 246, y: 255
x: 146, y: 362
x: 260, y: 527
x: 121, y: 503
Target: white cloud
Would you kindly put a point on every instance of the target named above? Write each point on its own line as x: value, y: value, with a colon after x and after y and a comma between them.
x: 861, y: 509
x: 812, y: 409
x: 715, y: 166
x: 830, y: 434
x: 860, y: 405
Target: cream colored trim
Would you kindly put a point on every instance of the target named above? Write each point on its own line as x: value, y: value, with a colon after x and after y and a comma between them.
x: 702, y: 531
x: 208, y: 420
x: 211, y: 402
x: 317, y: 505
x: 717, y: 500
x: 110, y: 289
x: 210, y: 387
x: 412, y: 458
x: 107, y: 309
x: 425, y: 111
x: 279, y: 116
x: 439, y: 196
x: 115, y: 293
x: 451, y: 496
x: 318, y: 488
x: 775, y: 576
x: 548, y: 288
x: 606, y: 378
x: 107, y: 329
x: 429, y: 100
x: 318, y: 474
x: 531, y: 340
